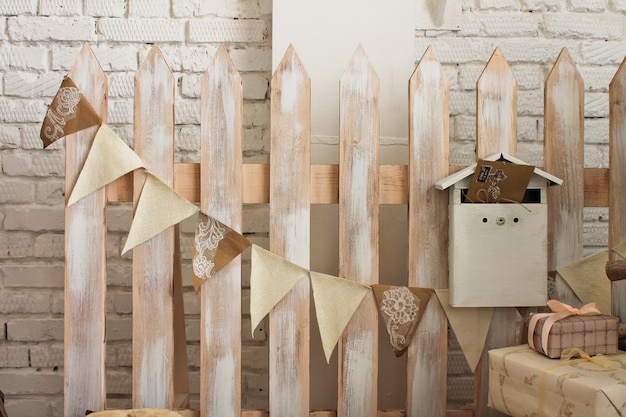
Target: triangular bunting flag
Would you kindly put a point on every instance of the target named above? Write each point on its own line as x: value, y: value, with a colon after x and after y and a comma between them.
x: 620, y: 249
x: 470, y: 325
x: 215, y: 245
x: 587, y: 278
x: 401, y: 309
x: 336, y: 299
x: 109, y: 158
x: 68, y: 113
x: 271, y: 278
x: 159, y: 207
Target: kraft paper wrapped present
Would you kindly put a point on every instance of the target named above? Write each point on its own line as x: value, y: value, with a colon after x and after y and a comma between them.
x: 524, y: 383
x: 566, y: 327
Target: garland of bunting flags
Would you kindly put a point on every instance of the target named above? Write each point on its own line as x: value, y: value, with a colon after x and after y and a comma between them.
x: 215, y: 245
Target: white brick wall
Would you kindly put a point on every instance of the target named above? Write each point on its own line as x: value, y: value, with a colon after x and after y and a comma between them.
x: 39, y: 41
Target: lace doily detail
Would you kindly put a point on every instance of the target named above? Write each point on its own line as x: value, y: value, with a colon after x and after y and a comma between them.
x: 208, y: 236
x: 67, y: 101
x: 400, y: 305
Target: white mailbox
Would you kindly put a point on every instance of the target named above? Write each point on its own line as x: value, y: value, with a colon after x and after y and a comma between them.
x: 498, y: 251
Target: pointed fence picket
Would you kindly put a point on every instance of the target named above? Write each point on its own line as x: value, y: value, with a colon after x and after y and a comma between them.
x: 85, y: 265
x: 290, y: 219
x: 153, y: 261
x: 359, y: 131
x: 221, y: 183
x: 496, y: 121
x: 429, y: 109
x: 617, y: 181
x: 220, y: 323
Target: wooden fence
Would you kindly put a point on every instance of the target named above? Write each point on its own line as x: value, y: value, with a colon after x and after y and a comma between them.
x: 359, y: 184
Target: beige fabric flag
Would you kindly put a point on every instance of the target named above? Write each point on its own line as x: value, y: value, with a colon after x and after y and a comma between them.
x: 215, y: 245
x: 159, y: 207
x: 336, y: 299
x: 620, y: 248
x: 587, y: 278
x: 271, y: 278
x: 401, y: 309
x: 470, y: 325
x: 109, y: 158
x: 68, y: 113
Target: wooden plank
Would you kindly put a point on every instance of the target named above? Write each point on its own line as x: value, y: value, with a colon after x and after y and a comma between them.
x: 290, y: 223
x: 429, y: 102
x: 617, y: 170
x: 153, y: 261
x: 596, y: 187
x: 496, y: 101
x: 496, y: 121
x: 564, y: 157
x: 359, y: 131
x: 85, y: 258
x: 181, y: 368
x: 221, y: 179
x: 325, y: 184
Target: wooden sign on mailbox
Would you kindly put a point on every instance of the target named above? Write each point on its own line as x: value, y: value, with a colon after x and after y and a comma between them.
x: 498, y: 251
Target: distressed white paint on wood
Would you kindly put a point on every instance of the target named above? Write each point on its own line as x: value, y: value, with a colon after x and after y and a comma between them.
x: 221, y: 185
x: 496, y: 121
x: 429, y: 99
x: 564, y: 157
x: 617, y: 181
x: 496, y: 101
x: 359, y: 131
x: 85, y: 258
x: 290, y: 156
x: 153, y: 261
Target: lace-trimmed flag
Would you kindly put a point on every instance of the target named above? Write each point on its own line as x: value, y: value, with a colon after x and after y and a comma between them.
x: 109, y: 158
x: 401, y: 309
x: 215, y: 245
x: 68, y: 113
x: 336, y: 299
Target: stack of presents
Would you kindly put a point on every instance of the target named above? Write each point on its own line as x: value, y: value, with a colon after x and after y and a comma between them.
x: 571, y: 365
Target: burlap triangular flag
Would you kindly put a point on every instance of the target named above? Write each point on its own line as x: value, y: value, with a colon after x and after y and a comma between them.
x: 159, y: 207
x: 336, y: 299
x: 68, y: 113
x: 470, y: 326
x: 109, y: 158
x: 401, y: 309
x: 215, y: 245
x: 271, y: 278
x: 587, y: 278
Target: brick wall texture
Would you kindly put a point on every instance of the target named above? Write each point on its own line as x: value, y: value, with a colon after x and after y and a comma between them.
x: 39, y: 40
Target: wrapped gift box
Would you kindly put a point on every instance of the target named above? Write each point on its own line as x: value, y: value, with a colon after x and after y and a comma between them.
x: 595, y: 335
x: 523, y: 383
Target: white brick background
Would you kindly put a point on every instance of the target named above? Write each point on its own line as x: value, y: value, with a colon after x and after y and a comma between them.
x: 39, y: 40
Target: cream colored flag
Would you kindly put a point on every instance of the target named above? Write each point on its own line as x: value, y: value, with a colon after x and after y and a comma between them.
x: 271, y: 278
x: 159, y: 207
x: 470, y: 325
x: 336, y: 299
x: 620, y: 248
x: 109, y: 158
x: 587, y: 278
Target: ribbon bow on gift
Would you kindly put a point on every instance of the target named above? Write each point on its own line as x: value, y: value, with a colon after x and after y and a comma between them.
x: 559, y: 312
